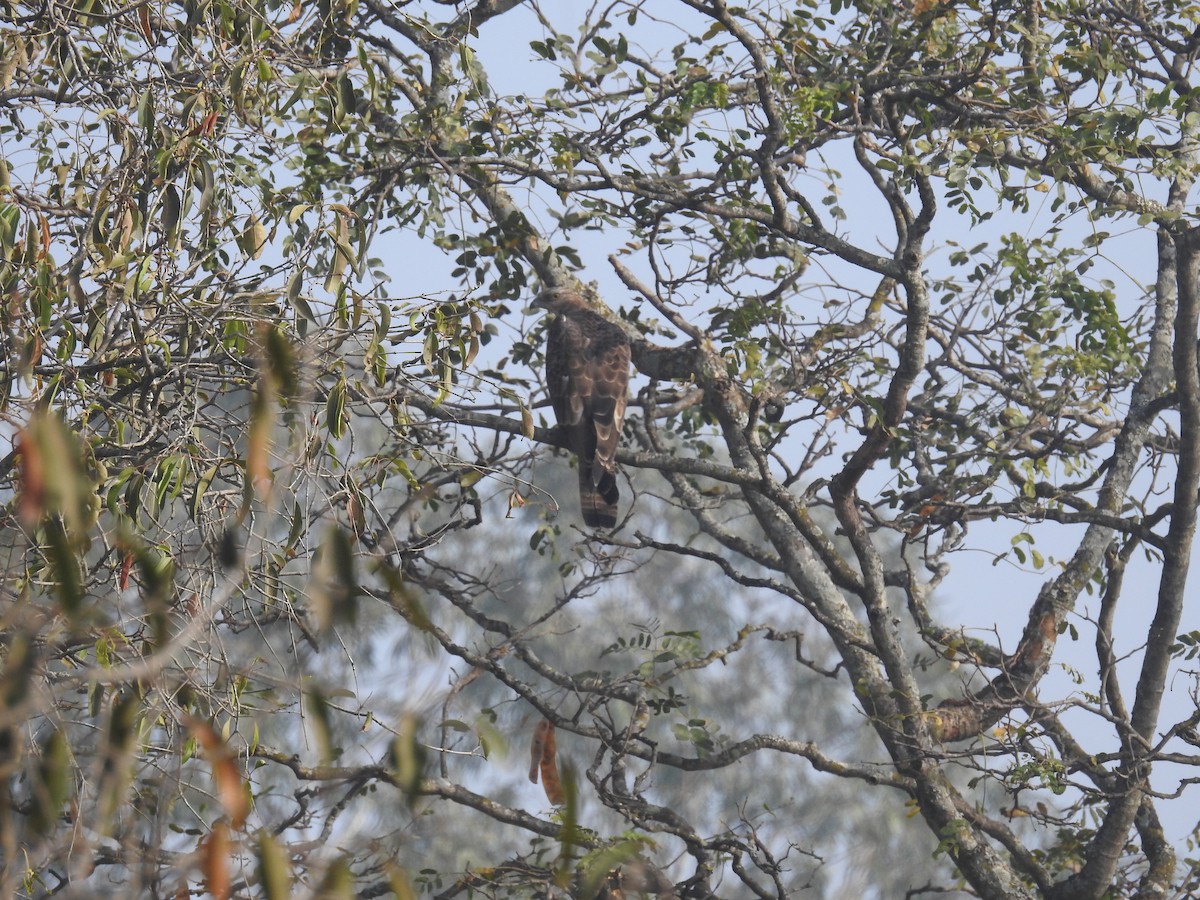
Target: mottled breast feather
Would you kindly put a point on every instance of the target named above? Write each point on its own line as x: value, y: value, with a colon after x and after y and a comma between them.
x: 587, y: 375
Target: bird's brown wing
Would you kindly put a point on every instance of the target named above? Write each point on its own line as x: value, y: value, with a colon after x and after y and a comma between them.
x: 587, y: 375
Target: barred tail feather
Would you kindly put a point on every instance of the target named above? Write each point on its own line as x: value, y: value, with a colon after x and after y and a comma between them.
x: 598, y: 497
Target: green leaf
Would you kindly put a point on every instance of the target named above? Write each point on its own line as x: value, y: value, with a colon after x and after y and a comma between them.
x: 335, y: 409
x: 64, y: 567
x: 338, y: 882
x: 320, y: 724
x: 334, y: 585
x: 274, y: 871
x: 408, y: 757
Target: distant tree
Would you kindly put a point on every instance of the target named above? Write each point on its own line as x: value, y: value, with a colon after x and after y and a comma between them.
x: 292, y: 582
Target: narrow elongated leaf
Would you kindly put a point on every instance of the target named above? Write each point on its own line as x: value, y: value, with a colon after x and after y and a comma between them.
x: 231, y: 787
x: 54, y: 781
x: 274, y: 871
x: 335, y: 409
x: 214, y: 854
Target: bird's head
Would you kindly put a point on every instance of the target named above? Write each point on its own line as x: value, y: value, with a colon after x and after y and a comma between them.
x: 556, y: 299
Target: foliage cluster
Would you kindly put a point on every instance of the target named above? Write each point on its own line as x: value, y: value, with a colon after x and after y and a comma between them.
x: 286, y: 584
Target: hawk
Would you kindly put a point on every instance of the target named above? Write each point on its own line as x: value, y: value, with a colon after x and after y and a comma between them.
x: 587, y: 372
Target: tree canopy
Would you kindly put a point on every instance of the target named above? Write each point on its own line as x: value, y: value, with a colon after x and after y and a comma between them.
x: 295, y: 584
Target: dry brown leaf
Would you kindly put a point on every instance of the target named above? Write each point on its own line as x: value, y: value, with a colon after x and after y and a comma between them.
x: 536, y: 747
x: 215, y: 854
x: 545, y: 758
x: 144, y: 22
x: 126, y: 567
x: 33, y: 480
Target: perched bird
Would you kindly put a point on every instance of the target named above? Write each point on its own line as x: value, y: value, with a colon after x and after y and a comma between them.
x: 587, y: 373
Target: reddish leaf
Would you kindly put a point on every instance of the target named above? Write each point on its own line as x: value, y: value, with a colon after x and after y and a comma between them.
x: 545, y: 759
x: 144, y: 22
x: 215, y: 862
x: 205, y: 126
x: 126, y: 567
x: 231, y: 788
x: 33, y: 480
x: 537, y: 747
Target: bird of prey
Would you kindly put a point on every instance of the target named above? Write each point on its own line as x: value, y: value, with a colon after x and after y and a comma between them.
x: 587, y: 373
